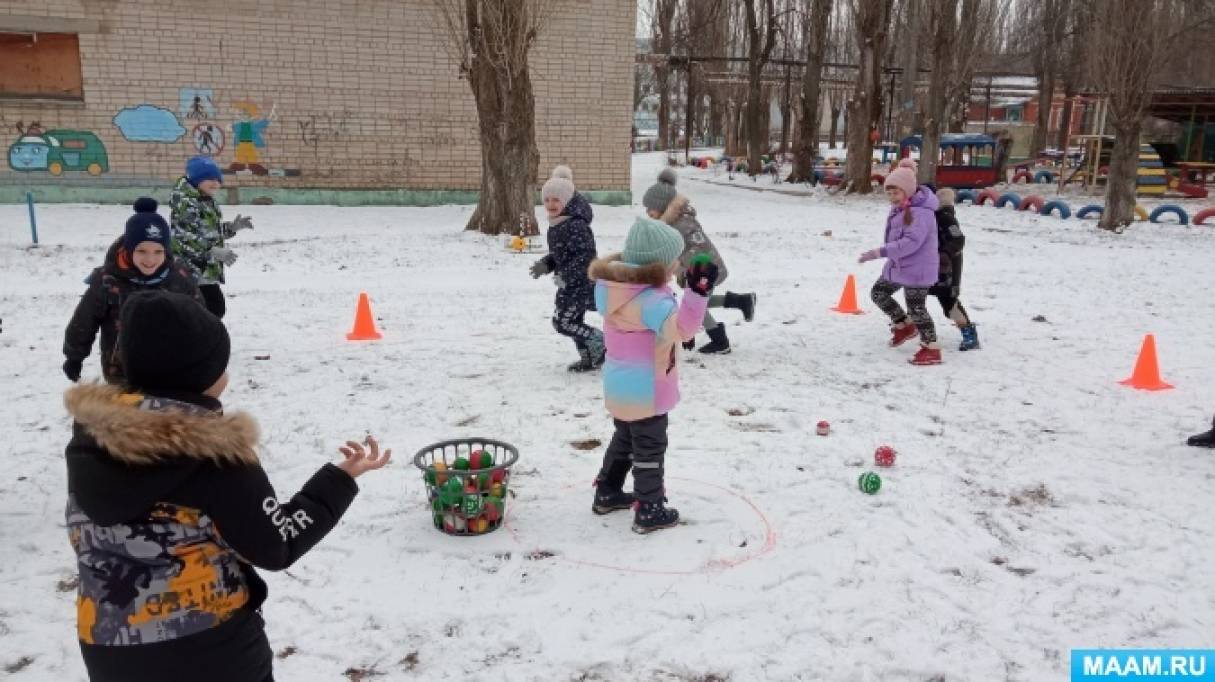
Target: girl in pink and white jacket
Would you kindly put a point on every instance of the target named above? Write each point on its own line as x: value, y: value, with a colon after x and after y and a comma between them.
x: 644, y: 326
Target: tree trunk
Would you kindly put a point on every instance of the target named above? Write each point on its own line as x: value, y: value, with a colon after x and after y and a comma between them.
x: 1065, y: 121
x: 1121, y: 184
x: 835, y: 127
x: 943, y: 15
x: 1046, y: 96
x: 865, y: 109
x: 506, y: 118
x: 910, y: 61
x: 812, y: 79
x: 662, y: 76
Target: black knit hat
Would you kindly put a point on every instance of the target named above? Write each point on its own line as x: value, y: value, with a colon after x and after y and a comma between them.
x: 146, y: 226
x: 170, y: 341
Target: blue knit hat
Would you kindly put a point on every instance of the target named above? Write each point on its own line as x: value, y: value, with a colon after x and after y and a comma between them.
x: 146, y: 226
x: 652, y: 241
x: 202, y: 168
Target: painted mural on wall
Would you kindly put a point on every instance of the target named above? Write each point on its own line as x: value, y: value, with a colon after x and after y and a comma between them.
x: 196, y: 104
x: 57, y: 150
x: 247, y: 133
x: 208, y: 139
x: 148, y: 123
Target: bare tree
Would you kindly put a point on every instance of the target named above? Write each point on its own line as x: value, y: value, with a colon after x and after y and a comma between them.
x: 1071, y: 68
x: 909, y: 44
x: 865, y: 109
x: 491, y: 41
x: 1128, y: 41
x: 814, y: 32
x: 1047, y: 22
x: 663, y: 34
x: 762, y: 30
x: 979, y: 21
x: 942, y: 18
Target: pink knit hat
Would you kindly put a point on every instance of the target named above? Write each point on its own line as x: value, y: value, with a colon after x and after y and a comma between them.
x: 903, y: 178
x: 909, y: 163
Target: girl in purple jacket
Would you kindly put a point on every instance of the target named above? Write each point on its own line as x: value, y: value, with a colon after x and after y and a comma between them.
x: 912, y: 264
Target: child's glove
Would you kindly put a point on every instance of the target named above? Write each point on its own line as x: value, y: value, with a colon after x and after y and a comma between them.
x: 872, y: 254
x: 240, y: 222
x: 690, y: 344
x: 71, y: 369
x: 223, y: 255
x: 539, y: 268
x: 701, y: 276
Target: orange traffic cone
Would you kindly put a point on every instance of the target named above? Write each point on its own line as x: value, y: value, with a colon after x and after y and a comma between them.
x: 1146, y: 376
x: 847, y: 302
x: 364, y: 324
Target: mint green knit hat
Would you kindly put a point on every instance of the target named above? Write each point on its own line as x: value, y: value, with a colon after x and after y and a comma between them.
x: 652, y: 241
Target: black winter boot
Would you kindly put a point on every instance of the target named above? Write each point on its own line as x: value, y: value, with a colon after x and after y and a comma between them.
x: 1204, y: 440
x: 742, y: 302
x: 652, y: 516
x: 718, y: 343
x: 585, y: 362
x: 608, y: 500
x: 690, y: 344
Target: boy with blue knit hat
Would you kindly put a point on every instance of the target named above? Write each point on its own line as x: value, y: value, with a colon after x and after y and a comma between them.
x: 199, y: 231
x: 139, y: 260
x: 643, y: 325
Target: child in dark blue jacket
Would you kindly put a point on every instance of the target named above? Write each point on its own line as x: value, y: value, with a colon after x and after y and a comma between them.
x: 571, y: 248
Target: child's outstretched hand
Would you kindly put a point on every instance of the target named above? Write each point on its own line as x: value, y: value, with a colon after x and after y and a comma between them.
x: 872, y: 254
x: 358, y: 461
x: 701, y: 276
x: 539, y: 269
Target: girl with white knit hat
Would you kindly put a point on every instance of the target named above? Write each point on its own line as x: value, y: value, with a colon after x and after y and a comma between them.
x: 571, y: 248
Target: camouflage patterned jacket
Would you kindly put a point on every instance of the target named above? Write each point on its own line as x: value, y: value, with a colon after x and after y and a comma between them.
x: 198, y: 227
x: 109, y: 287
x: 168, y: 511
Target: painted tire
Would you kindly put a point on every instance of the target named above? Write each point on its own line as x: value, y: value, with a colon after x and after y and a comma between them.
x: 1141, y: 212
x: 55, y: 168
x: 1202, y: 215
x: 969, y: 195
x: 878, y: 178
x: 1044, y: 177
x: 1009, y: 198
x: 1049, y: 207
x: 987, y: 195
x: 1020, y: 175
x: 94, y: 169
x: 1033, y: 200
x: 1183, y: 218
x: 1089, y: 210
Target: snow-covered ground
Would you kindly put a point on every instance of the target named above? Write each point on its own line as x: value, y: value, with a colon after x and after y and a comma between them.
x: 1036, y: 506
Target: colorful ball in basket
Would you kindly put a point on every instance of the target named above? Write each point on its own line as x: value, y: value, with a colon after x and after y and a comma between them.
x: 472, y: 504
x: 869, y: 483
x: 884, y: 456
x: 436, y: 474
x: 451, y: 493
x: 461, y: 464
x: 493, y: 508
x: 823, y: 428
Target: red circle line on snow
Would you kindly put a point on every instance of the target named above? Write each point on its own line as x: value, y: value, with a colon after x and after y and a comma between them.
x: 717, y: 564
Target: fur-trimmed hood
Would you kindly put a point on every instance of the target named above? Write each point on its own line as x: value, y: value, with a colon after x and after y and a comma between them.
x: 130, y: 451
x: 132, y: 432
x: 612, y: 270
x: 676, y: 209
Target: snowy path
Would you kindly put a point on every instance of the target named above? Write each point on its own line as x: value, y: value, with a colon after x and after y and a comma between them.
x: 1036, y: 506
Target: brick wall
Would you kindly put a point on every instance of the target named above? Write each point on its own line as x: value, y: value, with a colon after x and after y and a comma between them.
x: 363, y: 93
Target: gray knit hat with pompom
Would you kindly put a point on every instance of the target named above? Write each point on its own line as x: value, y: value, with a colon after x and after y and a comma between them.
x: 662, y: 193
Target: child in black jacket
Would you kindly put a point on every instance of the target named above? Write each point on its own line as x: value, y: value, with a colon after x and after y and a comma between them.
x: 571, y: 249
x: 950, y: 242
x: 168, y: 509
x: 140, y: 260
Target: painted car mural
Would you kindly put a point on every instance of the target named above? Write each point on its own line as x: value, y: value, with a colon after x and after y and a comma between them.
x: 56, y: 151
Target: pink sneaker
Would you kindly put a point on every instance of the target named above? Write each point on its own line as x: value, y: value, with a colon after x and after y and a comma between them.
x: 901, y: 335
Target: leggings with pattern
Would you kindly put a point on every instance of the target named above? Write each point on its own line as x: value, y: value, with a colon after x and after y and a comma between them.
x: 917, y: 297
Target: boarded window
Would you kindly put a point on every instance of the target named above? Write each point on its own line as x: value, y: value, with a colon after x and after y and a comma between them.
x: 40, y: 65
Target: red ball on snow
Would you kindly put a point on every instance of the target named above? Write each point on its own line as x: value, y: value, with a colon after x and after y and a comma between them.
x: 884, y: 456
x: 823, y: 428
